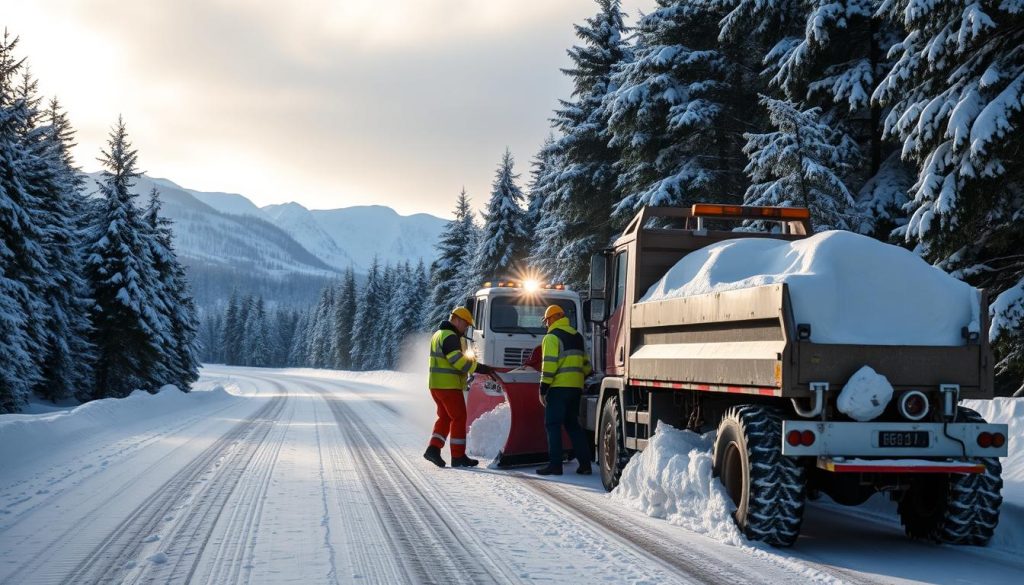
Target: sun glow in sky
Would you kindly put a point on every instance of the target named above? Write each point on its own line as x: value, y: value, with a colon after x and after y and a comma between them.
x: 329, y: 103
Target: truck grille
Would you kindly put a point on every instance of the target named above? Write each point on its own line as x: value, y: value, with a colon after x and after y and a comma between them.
x: 515, y: 356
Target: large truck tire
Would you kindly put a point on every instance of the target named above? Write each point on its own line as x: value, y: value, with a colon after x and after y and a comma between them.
x: 768, y: 489
x: 957, y: 508
x: 612, y: 456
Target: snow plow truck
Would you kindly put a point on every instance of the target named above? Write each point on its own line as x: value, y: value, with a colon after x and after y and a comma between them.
x: 740, y: 361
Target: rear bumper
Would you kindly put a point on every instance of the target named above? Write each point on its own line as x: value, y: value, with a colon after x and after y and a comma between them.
x: 857, y: 439
x: 843, y: 465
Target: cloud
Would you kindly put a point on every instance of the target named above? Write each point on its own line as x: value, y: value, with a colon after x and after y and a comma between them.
x: 326, y: 102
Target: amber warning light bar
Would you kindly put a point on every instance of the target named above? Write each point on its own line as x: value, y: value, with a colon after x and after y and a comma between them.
x: 776, y: 213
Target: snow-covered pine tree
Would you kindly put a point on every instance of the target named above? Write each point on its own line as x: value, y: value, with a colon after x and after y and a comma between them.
x: 388, y: 343
x: 674, y: 114
x: 298, y: 354
x: 23, y: 262
x: 422, y: 288
x: 584, y: 175
x: 407, y: 303
x: 322, y: 330
x: 541, y: 174
x: 366, y: 328
x: 282, y: 336
x: 258, y: 336
x: 503, y: 238
x: 180, y: 350
x: 802, y: 163
x: 344, y: 318
x: 452, y: 277
x: 956, y: 93
x: 128, y: 319
x: 51, y: 179
x: 231, y: 335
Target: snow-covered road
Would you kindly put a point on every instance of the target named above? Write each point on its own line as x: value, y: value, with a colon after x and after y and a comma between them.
x: 303, y: 476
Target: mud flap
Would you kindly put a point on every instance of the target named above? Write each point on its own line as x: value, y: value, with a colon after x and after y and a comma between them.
x: 527, y: 442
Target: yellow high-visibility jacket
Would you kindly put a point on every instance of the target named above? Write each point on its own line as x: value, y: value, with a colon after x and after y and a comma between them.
x: 449, y: 366
x: 566, y: 363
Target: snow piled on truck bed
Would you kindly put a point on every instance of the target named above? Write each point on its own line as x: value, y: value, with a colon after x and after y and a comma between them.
x: 850, y: 288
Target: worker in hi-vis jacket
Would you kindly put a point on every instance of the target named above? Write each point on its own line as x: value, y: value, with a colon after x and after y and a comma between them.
x: 449, y: 370
x: 565, y: 365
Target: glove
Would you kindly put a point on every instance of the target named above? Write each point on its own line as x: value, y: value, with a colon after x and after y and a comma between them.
x: 484, y: 369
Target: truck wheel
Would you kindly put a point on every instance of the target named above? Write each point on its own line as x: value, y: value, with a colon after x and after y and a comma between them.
x: 767, y: 488
x: 611, y: 448
x: 955, y: 509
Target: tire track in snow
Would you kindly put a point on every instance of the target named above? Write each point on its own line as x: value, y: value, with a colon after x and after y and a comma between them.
x: 244, y: 512
x: 426, y: 540
x: 117, y: 552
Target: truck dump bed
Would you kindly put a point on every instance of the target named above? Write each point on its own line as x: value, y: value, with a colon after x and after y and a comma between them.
x: 746, y: 341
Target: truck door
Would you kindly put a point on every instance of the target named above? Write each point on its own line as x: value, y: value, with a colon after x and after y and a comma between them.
x: 615, y: 357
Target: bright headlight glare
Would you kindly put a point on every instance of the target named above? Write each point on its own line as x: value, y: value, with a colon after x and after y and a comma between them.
x: 531, y: 285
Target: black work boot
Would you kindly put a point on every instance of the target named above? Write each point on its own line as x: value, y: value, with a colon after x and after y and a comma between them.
x: 433, y: 455
x: 584, y: 469
x: 464, y: 461
x: 549, y: 470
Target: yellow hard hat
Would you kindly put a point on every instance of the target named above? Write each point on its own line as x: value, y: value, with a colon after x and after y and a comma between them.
x: 552, y: 312
x: 464, y: 314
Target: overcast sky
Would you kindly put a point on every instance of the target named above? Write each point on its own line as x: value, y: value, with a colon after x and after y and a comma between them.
x: 329, y: 103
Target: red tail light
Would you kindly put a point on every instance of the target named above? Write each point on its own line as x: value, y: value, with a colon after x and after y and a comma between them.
x: 793, y: 438
x: 998, y: 440
x: 807, y: 438
x: 985, y: 440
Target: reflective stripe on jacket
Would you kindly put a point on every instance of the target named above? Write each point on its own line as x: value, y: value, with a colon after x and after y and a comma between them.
x: 566, y: 363
x: 449, y: 366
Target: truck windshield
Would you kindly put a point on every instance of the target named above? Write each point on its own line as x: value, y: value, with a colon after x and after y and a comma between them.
x: 526, y: 314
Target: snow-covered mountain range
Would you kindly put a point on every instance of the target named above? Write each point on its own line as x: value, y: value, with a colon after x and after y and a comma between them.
x: 228, y: 242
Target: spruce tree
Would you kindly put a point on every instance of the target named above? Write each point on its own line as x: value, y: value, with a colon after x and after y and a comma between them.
x: 128, y: 322
x: 231, y: 334
x: 23, y: 263
x: 298, y: 354
x: 345, y: 314
x: 452, y: 278
x: 322, y: 330
x: 802, y: 163
x: 180, y: 350
x: 584, y: 180
x: 503, y: 238
x: 366, y: 329
x: 956, y: 99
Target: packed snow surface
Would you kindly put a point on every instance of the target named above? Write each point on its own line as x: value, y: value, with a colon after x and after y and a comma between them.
x: 672, y: 479
x: 487, y: 434
x: 850, y: 288
x: 865, y: 395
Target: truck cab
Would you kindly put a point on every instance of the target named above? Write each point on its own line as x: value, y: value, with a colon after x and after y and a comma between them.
x: 509, y: 317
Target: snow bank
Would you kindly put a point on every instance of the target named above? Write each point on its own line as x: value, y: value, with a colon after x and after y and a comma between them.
x: 22, y: 436
x: 671, y: 479
x: 865, y: 395
x: 487, y: 434
x: 849, y: 287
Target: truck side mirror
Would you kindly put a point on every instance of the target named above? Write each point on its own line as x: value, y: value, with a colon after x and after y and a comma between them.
x: 597, y: 307
x: 470, y: 304
x: 598, y: 275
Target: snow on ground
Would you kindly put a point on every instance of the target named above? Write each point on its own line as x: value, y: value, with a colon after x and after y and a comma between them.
x: 671, y: 479
x: 850, y: 288
x: 487, y: 434
x: 311, y: 476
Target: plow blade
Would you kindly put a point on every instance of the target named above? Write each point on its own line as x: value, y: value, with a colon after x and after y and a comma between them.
x: 527, y: 442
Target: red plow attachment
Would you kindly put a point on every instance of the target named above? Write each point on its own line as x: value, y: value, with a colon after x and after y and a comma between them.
x: 527, y: 442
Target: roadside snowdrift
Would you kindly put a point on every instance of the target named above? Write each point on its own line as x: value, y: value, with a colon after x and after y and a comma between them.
x: 671, y: 479
x: 23, y: 437
x: 487, y: 434
x: 850, y: 288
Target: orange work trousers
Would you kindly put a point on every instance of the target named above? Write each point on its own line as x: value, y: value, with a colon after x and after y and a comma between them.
x: 451, y: 421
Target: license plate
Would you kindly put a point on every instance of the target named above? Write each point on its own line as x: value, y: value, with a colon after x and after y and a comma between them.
x: 902, y: 438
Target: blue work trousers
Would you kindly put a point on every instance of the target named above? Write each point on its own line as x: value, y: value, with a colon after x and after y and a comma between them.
x: 563, y: 409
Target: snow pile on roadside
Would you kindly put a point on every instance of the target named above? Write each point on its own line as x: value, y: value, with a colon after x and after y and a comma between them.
x: 850, y: 288
x: 865, y: 395
x: 671, y: 479
x: 24, y: 436
x: 487, y: 434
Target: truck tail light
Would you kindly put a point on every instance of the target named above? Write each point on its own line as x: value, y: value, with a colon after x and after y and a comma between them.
x: 793, y: 438
x: 913, y: 405
x: 998, y: 440
x: 984, y: 440
x: 807, y: 438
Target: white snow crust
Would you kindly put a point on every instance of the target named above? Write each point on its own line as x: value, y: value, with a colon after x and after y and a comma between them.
x: 850, y: 288
x: 671, y: 479
x: 865, y: 395
x: 487, y: 434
